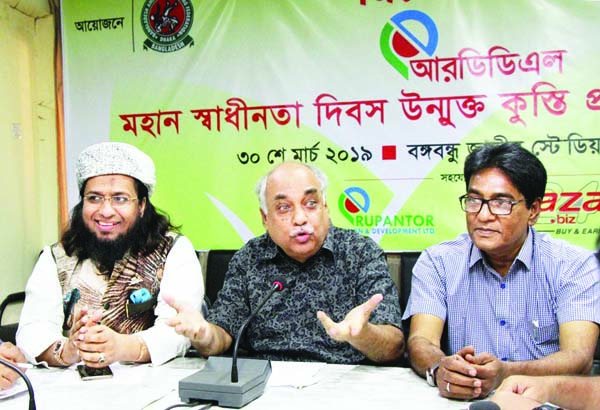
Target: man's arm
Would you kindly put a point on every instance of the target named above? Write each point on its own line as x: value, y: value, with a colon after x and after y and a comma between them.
x: 11, y: 353
x: 373, y: 326
x: 577, y: 344
x: 208, y: 338
x: 424, y: 341
x: 182, y: 278
x: 572, y: 392
x: 40, y: 324
x: 455, y: 376
x: 380, y: 343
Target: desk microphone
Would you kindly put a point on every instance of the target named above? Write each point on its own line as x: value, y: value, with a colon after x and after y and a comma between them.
x: 277, y: 286
x: 25, y: 378
x: 219, y: 381
x: 484, y: 405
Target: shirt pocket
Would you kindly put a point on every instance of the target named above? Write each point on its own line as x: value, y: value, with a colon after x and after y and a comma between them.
x: 545, y: 336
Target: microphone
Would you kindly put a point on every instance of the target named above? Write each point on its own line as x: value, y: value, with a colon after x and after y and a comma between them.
x: 25, y: 378
x: 484, y: 405
x: 220, y: 381
x: 68, y: 303
x: 277, y: 286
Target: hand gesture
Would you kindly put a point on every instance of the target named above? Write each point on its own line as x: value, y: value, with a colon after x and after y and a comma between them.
x: 98, y: 345
x: 490, y: 370
x: 456, y: 375
x: 355, y: 322
x: 10, y: 353
x: 529, y: 387
x: 189, y: 322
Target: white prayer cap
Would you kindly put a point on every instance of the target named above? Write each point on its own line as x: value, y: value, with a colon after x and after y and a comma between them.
x: 108, y: 158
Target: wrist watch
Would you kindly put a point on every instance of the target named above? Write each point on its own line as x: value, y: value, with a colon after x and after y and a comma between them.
x: 430, y: 375
x: 57, y: 352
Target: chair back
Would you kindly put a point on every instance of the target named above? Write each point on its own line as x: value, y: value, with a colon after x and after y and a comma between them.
x: 8, y: 331
x: 217, y: 264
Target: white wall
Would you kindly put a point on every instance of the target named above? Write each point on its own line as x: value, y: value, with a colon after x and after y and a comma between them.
x: 28, y: 164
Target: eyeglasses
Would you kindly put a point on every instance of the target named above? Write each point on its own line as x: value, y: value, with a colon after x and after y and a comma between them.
x: 498, y: 206
x: 117, y: 201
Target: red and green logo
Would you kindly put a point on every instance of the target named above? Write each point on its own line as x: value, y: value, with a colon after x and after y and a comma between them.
x: 353, y: 201
x: 167, y: 23
x: 407, y: 34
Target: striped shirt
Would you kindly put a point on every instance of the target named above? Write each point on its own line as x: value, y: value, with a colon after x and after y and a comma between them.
x: 515, y: 317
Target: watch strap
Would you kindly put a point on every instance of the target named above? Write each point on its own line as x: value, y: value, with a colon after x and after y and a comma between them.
x: 430, y: 375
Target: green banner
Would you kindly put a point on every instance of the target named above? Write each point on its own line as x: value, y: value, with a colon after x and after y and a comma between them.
x: 387, y: 97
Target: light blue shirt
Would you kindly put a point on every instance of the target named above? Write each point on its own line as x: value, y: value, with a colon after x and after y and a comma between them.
x: 516, y: 317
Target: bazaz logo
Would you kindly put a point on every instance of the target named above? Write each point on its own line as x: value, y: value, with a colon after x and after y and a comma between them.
x: 167, y: 24
x: 352, y: 201
x: 398, y: 43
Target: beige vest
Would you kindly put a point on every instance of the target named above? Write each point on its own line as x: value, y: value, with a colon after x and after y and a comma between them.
x: 111, y: 294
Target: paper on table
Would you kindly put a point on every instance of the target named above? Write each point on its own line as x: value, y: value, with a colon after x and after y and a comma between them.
x: 294, y: 374
x: 17, y: 387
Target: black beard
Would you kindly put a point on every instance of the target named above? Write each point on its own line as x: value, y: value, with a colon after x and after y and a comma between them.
x: 105, y: 253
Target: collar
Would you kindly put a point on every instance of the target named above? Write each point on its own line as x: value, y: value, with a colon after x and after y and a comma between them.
x: 525, y: 255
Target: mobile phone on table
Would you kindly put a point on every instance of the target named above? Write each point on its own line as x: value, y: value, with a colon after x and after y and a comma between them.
x: 93, y: 373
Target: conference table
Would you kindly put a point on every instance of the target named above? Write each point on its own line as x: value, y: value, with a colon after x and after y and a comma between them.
x: 292, y: 385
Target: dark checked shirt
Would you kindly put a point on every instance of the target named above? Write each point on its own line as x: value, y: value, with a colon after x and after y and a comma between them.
x: 346, y: 272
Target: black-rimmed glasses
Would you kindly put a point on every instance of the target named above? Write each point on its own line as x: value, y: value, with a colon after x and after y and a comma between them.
x: 496, y: 206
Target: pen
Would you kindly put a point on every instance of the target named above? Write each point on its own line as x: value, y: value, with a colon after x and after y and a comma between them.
x: 24, y: 365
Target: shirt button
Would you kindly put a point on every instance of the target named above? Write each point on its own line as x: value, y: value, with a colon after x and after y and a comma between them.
x: 106, y: 306
x: 504, y: 359
x: 502, y: 322
x: 502, y: 286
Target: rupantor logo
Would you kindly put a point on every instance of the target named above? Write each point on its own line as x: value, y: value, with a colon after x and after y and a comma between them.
x: 353, y: 201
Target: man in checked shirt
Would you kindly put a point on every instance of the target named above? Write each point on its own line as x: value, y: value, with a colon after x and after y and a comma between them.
x: 514, y: 300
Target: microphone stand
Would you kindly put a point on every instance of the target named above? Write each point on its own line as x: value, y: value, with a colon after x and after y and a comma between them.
x: 25, y: 378
x: 219, y: 380
x: 234, y: 369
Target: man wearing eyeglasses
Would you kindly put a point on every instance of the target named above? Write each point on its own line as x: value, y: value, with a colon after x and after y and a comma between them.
x: 514, y: 300
x: 97, y: 295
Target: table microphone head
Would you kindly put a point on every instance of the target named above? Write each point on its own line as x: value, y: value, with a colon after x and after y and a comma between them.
x: 281, y: 283
x: 484, y: 405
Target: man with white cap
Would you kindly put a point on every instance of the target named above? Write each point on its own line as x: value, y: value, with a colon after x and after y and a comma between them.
x: 97, y: 295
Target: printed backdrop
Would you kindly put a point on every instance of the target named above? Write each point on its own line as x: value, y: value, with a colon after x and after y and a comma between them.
x: 386, y: 96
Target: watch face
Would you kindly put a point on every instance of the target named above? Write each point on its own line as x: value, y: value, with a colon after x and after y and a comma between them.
x: 58, y: 346
x: 429, y: 376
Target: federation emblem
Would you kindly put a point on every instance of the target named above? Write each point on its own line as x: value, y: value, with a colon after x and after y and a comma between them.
x: 167, y: 23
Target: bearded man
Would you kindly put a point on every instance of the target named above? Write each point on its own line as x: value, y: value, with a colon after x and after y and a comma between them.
x: 97, y: 295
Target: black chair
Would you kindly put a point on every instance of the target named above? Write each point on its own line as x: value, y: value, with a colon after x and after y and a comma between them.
x: 217, y: 264
x: 8, y: 332
x: 407, y: 262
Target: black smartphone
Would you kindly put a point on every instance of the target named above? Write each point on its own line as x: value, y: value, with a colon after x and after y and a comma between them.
x: 93, y: 373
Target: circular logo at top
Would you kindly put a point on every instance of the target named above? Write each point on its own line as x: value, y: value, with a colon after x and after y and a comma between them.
x: 167, y: 23
x: 407, y: 34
